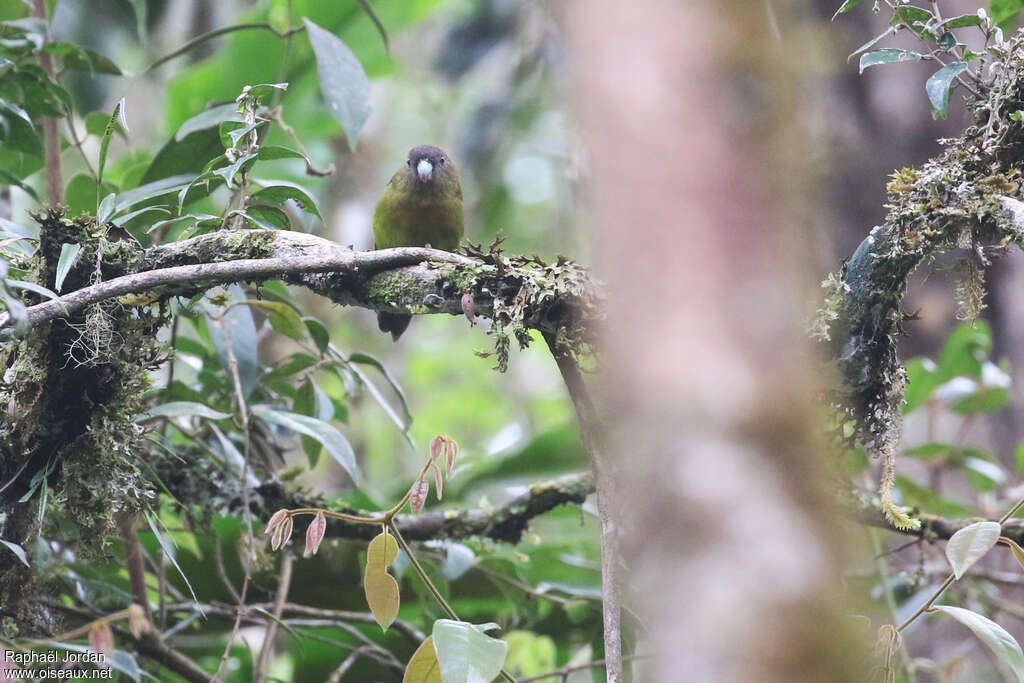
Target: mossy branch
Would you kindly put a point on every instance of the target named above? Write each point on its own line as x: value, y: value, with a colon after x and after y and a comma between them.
x: 967, y: 201
x: 406, y: 280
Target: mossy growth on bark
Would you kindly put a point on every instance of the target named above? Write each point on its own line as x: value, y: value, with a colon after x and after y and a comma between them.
x: 965, y: 201
x: 70, y: 392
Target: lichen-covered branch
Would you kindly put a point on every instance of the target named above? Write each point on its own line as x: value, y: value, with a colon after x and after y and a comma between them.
x: 936, y: 527
x: 505, y: 523
x: 412, y: 280
x: 77, y: 369
x: 967, y: 201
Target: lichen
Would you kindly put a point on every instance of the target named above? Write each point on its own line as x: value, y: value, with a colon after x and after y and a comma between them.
x: 956, y: 202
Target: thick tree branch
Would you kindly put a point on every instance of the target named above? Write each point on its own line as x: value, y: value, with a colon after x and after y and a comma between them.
x: 407, y: 279
x: 935, y: 527
x: 504, y: 523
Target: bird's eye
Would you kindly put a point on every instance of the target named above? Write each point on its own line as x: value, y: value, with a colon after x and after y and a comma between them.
x: 408, y: 162
x: 441, y: 161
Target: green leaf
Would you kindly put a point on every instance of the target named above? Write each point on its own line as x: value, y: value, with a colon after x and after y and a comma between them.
x: 153, y: 190
x: 116, y: 119
x: 343, y: 81
x: 33, y: 287
x: 368, y: 8
x: 1004, y: 12
x: 106, y: 208
x: 846, y: 7
x: 271, y: 152
x: 8, y: 178
x: 267, y: 217
x: 183, y: 409
x: 965, y: 351
x: 970, y: 544
x: 941, y: 83
x: 910, y: 15
x: 305, y: 404
x: 188, y: 155
x: 283, y: 318
x: 984, y: 474
x: 1006, y: 649
x: 929, y: 450
x: 366, y: 359
x: 68, y: 256
x: 211, y: 118
x: 333, y: 441
x: 279, y: 191
x: 83, y: 59
x: 871, y: 43
x: 17, y: 550
x: 887, y: 56
x: 318, y: 332
x: 168, y: 551
x: 141, y: 9
x: 237, y: 327
x: 959, y: 22
x: 229, y: 171
x: 466, y: 653
x: 17, y: 111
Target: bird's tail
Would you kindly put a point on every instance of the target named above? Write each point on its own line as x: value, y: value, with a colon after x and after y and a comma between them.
x: 395, y: 323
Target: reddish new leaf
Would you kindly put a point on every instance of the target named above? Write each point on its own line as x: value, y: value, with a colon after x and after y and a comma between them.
x: 275, y: 521
x: 420, y: 491
x: 101, y: 638
x: 469, y: 308
x: 315, y: 533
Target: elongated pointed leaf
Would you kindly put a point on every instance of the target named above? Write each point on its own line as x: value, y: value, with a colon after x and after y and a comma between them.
x: 941, y: 83
x: 333, y: 441
x: 846, y: 7
x: 117, y: 118
x: 279, y: 191
x: 17, y: 550
x: 970, y: 544
x: 1006, y: 649
x: 184, y: 409
x: 210, y: 118
x: 67, y: 258
x: 168, y: 550
x: 1018, y: 552
x: 343, y: 81
x: 887, y: 56
x: 237, y: 328
x: 871, y: 43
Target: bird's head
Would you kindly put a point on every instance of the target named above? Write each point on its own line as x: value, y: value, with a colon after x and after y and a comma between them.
x: 428, y: 164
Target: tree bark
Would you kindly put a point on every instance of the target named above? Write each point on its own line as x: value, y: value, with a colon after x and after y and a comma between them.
x: 709, y: 400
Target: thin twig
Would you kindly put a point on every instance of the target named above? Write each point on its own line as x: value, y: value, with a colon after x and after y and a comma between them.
x: 250, y: 541
x: 343, y: 668
x: 133, y: 559
x: 283, y: 584
x: 590, y: 430
x: 566, y: 670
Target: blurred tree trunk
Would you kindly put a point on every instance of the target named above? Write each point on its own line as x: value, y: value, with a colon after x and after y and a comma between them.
x: 689, y: 112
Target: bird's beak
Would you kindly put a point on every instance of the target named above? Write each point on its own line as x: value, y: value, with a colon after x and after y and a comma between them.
x: 424, y: 169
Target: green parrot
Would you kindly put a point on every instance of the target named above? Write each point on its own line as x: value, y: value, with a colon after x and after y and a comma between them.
x: 421, y: 207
